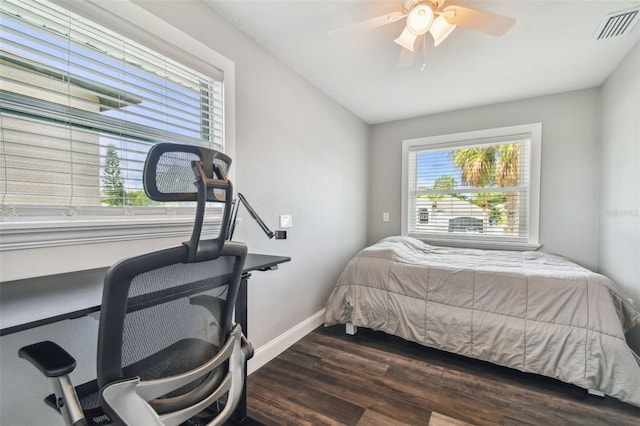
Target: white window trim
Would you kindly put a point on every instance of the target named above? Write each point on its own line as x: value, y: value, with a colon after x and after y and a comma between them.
x: 18, y: 236
x: 451, y: 140
x: 130, y: 20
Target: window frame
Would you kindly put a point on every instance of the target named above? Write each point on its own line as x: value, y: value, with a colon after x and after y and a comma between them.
x: 134, y: 22
x: 448, y: 141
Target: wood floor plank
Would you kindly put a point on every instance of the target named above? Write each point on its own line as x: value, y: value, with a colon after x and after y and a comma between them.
x: 380, y: 387
x: 473, y: 394
x: 328, y: 378
x: 270, y: 408
x: 426, y: 392
x: 534, y: 405
x: 336, y: 352
x: 336, y: 384
x: 324, y: 397
x: 357, y: 384
x: 373, y: 391
x: 401, y: 411
x: 373, y: 418
x: 407, y: 401
x: 300, y: 358
x: 403, y: 361
x: 438, y: 419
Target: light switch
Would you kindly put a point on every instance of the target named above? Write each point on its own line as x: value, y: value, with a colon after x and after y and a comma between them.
x: 385, y: 216
x: 286, y: 221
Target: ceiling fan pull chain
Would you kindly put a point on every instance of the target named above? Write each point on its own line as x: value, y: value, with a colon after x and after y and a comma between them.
x: 424, y: 53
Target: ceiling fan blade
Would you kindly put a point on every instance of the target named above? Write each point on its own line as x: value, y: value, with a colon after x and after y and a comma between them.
x: 378, y: 21
x: 406, y: 58
x: 407, y: 39
x: 478, y: 20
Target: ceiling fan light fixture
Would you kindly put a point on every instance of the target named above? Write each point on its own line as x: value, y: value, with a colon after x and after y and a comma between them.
x: 420, y: 19
x: 407, y: 39
x: 440, y: 29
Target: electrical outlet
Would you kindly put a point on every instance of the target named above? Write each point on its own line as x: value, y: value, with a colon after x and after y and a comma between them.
x: 385, y: 216
x: 286, y: 221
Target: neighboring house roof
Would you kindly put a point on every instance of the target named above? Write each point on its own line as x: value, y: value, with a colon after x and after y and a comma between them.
x: 113, y: 98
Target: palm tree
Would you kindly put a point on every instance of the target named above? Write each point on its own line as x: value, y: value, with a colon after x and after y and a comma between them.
x: 493, y: 165
x: 477, y: 165
x: 478, y: 170
x: 508, y: 175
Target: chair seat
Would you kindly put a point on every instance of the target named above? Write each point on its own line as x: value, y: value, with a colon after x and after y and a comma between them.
x: 160, y: 364
x: 178, y: 358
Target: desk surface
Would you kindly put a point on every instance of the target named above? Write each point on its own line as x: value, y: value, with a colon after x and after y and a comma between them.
x: 33, y: 302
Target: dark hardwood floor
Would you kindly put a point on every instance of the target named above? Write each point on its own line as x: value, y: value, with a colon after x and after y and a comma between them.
x: 371, y: 379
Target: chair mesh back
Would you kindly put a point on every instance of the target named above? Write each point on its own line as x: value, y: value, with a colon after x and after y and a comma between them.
x: 173, y: 320
x: 174, y: 174
x: 168, y: 174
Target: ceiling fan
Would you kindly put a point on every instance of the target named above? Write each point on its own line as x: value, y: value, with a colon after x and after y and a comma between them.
x: 431, y: 16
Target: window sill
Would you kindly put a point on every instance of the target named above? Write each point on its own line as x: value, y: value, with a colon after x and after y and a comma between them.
x: 477, y: 244
x: 27, y: 235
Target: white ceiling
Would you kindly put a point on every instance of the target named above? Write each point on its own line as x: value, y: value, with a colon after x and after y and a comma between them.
x: 550, y: 49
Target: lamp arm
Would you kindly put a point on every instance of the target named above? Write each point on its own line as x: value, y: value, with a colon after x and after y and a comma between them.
x: 253, y: 214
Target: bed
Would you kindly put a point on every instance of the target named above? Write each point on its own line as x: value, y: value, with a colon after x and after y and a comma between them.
x: 531, y: 311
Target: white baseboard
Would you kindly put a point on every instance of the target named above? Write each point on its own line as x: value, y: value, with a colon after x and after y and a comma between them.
x: 269, y: 351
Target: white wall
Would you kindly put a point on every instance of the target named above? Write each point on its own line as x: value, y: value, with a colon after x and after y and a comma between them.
x: 298, y: 153
x: 569, y: 183
x: 619, y: 207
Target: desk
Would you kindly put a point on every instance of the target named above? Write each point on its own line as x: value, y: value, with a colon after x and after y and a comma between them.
x: 33, y: 302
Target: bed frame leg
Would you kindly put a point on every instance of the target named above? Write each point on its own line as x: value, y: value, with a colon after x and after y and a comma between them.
x: 351, y: 329
x: 595, y: 392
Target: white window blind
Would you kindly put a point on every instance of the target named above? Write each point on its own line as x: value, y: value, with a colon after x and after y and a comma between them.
x: 80, y: 108
x: 473, y: 187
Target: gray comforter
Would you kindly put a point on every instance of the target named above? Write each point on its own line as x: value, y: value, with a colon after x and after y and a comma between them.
x: 531, y: 311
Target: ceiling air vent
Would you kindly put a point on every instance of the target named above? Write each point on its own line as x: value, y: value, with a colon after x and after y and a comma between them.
x: 617, y: 24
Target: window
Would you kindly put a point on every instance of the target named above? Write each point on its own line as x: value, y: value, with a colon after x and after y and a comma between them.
x: 477, y: 189
x: 81, y: 105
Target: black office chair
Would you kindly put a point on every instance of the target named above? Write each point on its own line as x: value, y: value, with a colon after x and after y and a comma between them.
x: 169, y: 352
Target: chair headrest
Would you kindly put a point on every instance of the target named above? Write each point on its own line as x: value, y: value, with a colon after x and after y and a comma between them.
x: 169, y: 172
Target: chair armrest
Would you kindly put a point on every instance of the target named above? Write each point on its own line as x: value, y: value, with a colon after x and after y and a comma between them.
x: 56, y: 363
x: 49, y: 358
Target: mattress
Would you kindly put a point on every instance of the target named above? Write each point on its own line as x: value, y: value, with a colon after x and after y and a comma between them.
x: 532, y: 311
